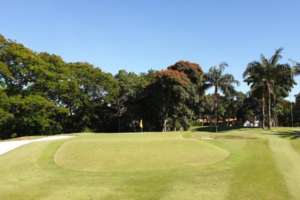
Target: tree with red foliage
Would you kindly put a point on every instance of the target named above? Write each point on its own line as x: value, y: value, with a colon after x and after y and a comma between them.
x: 169, y: 101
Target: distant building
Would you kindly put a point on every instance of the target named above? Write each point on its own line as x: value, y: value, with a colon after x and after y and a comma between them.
x: 212, y: 120
x: 249, y: 124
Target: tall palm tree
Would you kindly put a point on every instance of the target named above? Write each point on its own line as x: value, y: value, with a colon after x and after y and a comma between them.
x: 215, y: 78
x: 268, y: 80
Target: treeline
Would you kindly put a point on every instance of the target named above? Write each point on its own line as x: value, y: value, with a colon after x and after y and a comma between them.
x: 40, y: 93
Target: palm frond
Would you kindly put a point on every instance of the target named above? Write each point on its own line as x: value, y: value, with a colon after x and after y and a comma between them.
x: 264, y: 61
x: 254, y: 71
x: 222, y: 66
x: 296, y: 69
x: 276, y: 56
x: 226, y: 84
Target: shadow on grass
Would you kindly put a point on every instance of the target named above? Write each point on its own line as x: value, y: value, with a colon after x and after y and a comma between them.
x: 213, y: 128
x: 288, y: 134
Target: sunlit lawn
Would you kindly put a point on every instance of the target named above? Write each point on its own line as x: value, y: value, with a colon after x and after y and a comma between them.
x: 238, y: 164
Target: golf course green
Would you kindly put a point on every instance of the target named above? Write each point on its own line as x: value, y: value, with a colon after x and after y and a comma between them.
x: 237, y: 164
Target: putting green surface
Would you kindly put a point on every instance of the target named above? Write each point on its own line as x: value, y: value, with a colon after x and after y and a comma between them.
x: 240, y: 164
x: 121, y: 154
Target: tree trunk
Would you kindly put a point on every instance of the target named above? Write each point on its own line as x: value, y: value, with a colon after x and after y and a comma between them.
x: 292, y: 115
x: 216, y: 108
x: 263, y: 112
x: 275, y: 116
x: 165, y: 125
x: 269, y: 108
x: 119, y: 115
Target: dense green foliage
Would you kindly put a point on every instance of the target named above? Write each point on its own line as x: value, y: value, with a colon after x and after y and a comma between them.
x: 42, y: 94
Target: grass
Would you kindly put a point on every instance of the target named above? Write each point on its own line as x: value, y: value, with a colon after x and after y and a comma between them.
x: 257, y: 176
x: 237, y: 164
x: 296, y: 145
x: 122, y: 154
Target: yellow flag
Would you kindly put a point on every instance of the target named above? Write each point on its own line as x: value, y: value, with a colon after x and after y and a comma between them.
x: 141, y: 124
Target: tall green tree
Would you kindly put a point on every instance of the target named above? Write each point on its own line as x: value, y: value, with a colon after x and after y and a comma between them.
x: 34, y: 114
x: 169, y: 101
x: 130, y: 86
x: 220, y: 82
x: 20, y: 68
x: 80, y: 88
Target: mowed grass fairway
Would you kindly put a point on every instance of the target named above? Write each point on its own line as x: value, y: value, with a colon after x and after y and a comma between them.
x: 238, y: 164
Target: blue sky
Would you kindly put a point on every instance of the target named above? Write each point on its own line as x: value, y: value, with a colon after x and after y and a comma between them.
x: 140, y: 34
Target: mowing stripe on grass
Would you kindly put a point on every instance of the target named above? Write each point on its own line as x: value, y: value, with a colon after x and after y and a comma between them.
x: 288, y: 161
x: 256, y: 177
